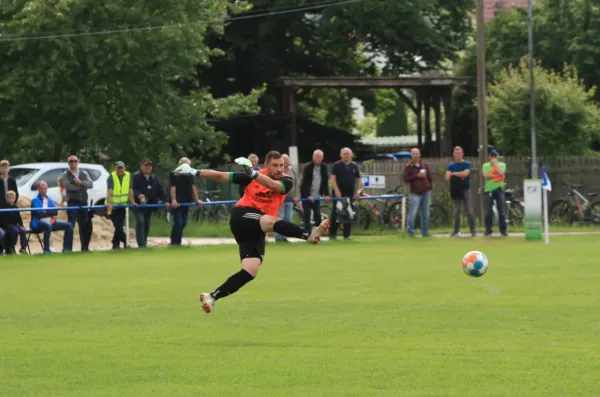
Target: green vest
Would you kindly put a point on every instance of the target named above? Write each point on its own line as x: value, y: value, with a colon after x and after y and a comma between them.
x: 120, y: 192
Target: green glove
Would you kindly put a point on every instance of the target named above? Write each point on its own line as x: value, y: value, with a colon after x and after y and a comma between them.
x: 185, y: 169
x: 247, y: 166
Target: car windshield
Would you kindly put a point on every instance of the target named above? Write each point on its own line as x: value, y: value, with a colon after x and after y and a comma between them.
x: 22, y: 175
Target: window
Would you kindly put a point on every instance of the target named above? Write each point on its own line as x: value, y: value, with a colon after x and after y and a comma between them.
x: 22, y: 175
x: 94, y: 174
x: 50, y: 177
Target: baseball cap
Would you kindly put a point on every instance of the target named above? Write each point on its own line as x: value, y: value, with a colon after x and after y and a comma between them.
x: 119, y: 164
x: 147, y: 162
x: 494, y: 152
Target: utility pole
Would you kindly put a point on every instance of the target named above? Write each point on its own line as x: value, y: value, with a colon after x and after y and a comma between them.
x: 481, y: 96
x: 534, y: 168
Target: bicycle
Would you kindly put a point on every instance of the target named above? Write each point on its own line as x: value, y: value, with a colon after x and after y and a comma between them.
x: 210, y: 213
x: 575, y: 206
x: 514, y: 206
x: 324, y: 216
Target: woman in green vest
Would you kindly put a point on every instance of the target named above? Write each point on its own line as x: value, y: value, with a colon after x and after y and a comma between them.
x: 120, y: 193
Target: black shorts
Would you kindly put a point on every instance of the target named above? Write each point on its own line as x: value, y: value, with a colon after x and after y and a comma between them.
x: 244, y: 223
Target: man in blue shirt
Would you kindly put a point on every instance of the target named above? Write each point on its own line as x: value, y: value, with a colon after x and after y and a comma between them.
x: 458, y: 175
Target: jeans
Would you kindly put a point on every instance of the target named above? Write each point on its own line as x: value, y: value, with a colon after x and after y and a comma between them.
x: 467, y: 201
x: 488, y: 199
x: 118, y: 220
x: 143, y: 217
x: 315, y: 206
x: 417, y: 201
x: 16, y: 231
x: 83, y: 220
x: 48, y: 228
x: 180, y: 218
x: 285, y: 213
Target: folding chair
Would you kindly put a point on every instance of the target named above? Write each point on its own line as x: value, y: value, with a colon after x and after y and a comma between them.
x: 29, y: 233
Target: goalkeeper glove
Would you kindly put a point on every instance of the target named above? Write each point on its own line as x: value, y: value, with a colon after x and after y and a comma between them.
x: 186, y: 169
x: 247, y: 166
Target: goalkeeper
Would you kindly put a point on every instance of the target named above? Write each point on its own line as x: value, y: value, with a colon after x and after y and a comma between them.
x: 254, y: 215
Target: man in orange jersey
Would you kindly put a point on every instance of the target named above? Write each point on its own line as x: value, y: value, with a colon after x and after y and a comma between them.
x: 254, y: 215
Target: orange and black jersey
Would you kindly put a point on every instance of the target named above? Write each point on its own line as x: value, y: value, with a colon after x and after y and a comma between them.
x: 260, y: 197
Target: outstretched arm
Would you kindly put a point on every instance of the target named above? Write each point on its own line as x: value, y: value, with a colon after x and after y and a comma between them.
x: 242, y: 178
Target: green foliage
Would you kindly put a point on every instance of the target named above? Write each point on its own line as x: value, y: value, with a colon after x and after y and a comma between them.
x: 346, y: 40
x: 566, y: 117
x: 110, y: 93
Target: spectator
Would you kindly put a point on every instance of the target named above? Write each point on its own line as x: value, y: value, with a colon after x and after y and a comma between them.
x: 12, y: 223
x: 2, y: 241
x: 494, y: 173
x: 183, y: 191
x: 287, y: 209
x: 46, y: 222
x: 314, y: 186
x: 418, y: 175
x: 76, y: 183
x: 458, y: 175
x: 120, y: 194
x: 8, y: 183
x: 346, y: 182
x: 147, y: 189
x: 254, y: 160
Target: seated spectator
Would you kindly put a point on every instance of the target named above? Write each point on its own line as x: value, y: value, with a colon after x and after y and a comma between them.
x: 1, y: 241
x: 46, y: 222
x: 12, y: 223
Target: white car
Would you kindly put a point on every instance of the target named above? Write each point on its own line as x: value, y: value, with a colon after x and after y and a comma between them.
x: 28, y: 176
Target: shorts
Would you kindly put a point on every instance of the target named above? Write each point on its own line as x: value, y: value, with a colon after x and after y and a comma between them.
x: 244, y: 223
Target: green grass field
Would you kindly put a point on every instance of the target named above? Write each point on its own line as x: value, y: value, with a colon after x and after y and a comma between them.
x: 373, y: 317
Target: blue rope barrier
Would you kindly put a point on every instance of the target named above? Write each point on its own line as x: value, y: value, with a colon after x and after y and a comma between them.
x: 208, y: 203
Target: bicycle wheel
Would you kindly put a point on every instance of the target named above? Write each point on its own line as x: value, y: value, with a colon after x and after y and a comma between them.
x: 516, y: 214
x: 393, y: 215
x: 438, y: 217
x: 220, y: 214
x: 595, y: 212
x: 560, y: 212
x: 364, y: 217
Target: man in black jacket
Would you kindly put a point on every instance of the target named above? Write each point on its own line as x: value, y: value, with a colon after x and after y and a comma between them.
x: 313, y: 187
x: 147, y: 189
x: 7, y: 183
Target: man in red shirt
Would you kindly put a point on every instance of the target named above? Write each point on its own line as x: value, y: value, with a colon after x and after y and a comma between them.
x: 254, y: 215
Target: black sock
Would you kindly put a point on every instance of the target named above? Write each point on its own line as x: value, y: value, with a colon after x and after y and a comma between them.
x: 288, y: 229
x: 232, y: 284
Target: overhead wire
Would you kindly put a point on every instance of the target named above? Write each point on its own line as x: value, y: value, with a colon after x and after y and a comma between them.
x: 249, y: 15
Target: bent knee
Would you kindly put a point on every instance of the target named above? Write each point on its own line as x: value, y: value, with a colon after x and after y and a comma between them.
x: 267, y: 222
x: 251, y: 265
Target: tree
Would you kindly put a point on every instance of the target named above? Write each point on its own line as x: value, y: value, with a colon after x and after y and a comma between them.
x: 344, y: 40
x: 112, y: 93
x: 567, y: 118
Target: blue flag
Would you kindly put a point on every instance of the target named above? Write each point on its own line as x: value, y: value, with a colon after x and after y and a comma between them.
x: 546, y: 184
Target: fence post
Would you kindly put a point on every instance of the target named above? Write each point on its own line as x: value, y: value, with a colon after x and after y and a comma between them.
x: 127, y: 226
x: 403, y: 217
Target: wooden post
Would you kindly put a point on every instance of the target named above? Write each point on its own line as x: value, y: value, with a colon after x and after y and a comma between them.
x: 447, y: 102
x: 420, y: 121
x: 438, y: 123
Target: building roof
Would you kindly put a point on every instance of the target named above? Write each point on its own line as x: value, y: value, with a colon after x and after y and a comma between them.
x: 392, y: 141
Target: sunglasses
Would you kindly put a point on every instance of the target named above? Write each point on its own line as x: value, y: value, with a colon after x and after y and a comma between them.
x: 73, y: 161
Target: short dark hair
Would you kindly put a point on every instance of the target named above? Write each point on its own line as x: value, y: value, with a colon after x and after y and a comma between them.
x: 272, y: 155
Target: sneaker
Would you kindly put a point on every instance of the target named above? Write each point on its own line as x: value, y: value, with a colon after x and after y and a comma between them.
x: 207, y: 302
x: 488, y: 234
x: 454, y: 234
x: 23, y: 251
x: 315, y: 236
x: 504, y: 234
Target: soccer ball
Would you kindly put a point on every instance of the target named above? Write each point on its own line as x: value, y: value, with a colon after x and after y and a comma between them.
x: 475, y: 263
